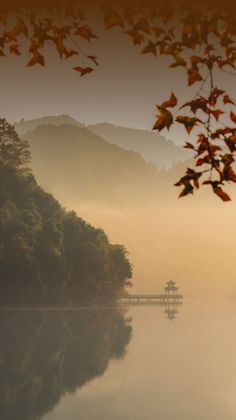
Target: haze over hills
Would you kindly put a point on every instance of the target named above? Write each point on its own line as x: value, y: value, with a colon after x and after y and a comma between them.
x: 152, y: 146
x: 70, y: 161
x: 137, y: 205
x: 27, y: 125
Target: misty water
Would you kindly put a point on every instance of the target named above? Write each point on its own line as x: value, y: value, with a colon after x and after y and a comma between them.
x: 140, y: 362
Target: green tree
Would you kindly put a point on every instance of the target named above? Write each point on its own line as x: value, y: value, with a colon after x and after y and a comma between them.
x: 14, y: 152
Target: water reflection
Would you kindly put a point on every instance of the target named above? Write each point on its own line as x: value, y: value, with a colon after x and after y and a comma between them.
x: 45, y: 355
x: 171, y: 310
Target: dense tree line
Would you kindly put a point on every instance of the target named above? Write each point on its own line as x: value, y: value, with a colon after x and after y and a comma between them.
x: 47, y: 255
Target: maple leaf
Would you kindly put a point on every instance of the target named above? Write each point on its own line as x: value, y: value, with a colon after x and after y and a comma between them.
x: 179, y: 61
x: 189, y: 122
x: 35, y: 45
x: 194, y: 76
x: 136, y: 36
x: 14, y: 49
x: 233, y: 116
x: 198, y: 103
x: 71, y: 53
x: 142, y: 25
x: 83, y: 70
x: 85, y: 32
x: 217, y: 113
x: 158, y: 31
x: 36, y: 59
x: 218, y: 190
x: 164, y: 119
x: 150, y: 48
x: 172, y: 102
x: 188, y: 189
x: 231, y: 142
x: 228, y: 100
x: 189, y: 146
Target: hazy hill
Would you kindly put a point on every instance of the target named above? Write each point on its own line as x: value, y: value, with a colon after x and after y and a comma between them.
x: 75, y: 164
x: 153, y: 147
x: 137, y: 205
x: 27, y: 125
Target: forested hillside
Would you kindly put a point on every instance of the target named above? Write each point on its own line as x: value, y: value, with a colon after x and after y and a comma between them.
x: 49, y: 256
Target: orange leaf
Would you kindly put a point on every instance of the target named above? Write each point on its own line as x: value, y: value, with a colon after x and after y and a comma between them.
x: 193, y: 76
x: 83, y: 70
x: 217, y: 113
x: 14, y: 49
x: 188, y: 122
x: 164, y: 120
x: 150, y: 48
x: 36, y: 59
x: 233, y: 116
x: 221, y: 193
x: 170, y: 103
x: 228, y: 100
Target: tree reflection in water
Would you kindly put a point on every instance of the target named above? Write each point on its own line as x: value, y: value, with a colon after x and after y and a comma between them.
x: 43, y: 355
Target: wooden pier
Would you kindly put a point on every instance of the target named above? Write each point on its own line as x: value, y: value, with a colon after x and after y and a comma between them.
x: 170, y: 296
x: 152, y: 298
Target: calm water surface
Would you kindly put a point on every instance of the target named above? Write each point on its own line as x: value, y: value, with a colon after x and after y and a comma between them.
x: 129, y: 364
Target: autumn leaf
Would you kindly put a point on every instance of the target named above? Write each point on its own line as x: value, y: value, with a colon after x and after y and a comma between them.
x: 85, y: 32
x: 228, y: 100
x: 189, y: 122
x: 71, y: 53
x: 14, y: 49
x: 137, y: 37
x: 231, y: 142
x: 189, y: 146
x: 194, y: 76
x: 196, y: 104
x: 164, y: 119
x: 233, y: 116
x: 158, y: 31
x: 217, y: 189
x: 35, y: 45
x: 83, y: 70
x: 221, y: 193
x: 217, y: 113
x: 36, y: 59
x: 188, y: 189
x: 150, y: 48
x: 172, y: 102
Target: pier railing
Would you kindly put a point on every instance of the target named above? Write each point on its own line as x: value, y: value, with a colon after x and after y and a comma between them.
x: 161, y: 298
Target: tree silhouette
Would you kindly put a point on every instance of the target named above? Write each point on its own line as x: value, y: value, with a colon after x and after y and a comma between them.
x: 14, y: 152
x: 199, y: 38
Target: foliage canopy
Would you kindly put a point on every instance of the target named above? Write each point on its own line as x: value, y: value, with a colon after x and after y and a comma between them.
x: 49, y: 256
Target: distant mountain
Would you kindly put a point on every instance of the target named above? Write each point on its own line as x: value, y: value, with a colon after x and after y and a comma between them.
x: 27, y: 125
x: 75, y: 164
x: 153, y: 147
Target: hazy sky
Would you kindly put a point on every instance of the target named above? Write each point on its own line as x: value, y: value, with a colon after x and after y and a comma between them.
x: 123, y: 90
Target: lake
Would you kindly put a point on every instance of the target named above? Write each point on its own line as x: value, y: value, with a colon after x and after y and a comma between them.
x: 120, y: 364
